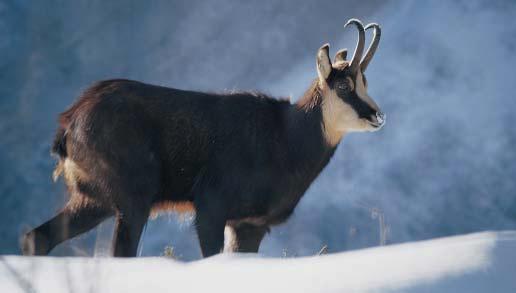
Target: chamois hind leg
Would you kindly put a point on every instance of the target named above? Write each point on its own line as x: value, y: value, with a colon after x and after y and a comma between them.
x: 133, y: 197
x: 77, y: 217
x: 245, y: 237
x: 128, y: 229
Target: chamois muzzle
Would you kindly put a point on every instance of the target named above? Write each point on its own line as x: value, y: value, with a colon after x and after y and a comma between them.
x: 377, y: 120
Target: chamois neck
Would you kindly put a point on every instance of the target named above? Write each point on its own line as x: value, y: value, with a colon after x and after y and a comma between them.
x: 305, y: 133
x: 313, y: 101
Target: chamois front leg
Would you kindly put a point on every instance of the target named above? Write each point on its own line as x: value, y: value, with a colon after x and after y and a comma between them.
x: 244, y: 237
x: 210, y: 221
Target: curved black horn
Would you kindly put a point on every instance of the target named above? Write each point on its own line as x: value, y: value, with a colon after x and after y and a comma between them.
x: 377, y: 33
x: 355, y: 61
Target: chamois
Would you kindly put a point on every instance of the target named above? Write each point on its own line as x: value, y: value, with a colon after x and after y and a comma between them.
x: 239, y: 161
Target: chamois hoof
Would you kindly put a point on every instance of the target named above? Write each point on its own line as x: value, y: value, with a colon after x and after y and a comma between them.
x: 34, y: 244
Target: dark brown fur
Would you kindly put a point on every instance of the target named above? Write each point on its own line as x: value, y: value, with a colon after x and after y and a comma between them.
x: 126, y: 148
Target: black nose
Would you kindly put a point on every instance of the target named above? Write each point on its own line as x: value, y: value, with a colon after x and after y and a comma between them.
x: 380, y: 117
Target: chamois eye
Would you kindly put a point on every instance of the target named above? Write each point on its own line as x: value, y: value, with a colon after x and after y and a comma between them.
x: 343, y: 86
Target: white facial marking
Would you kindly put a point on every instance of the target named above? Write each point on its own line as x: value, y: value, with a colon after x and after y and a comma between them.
x: 339, y: 117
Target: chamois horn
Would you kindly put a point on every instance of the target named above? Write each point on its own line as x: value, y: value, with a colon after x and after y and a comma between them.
x: 377, y: 32
x: 355, y: 61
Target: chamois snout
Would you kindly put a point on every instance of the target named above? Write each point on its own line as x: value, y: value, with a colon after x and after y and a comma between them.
x: 377, y: 120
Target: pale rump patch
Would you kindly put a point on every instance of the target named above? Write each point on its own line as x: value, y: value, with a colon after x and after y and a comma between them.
x: 80, y: 201
x: 170, y: 206
x: 58, y: 170
x: 72, y: 172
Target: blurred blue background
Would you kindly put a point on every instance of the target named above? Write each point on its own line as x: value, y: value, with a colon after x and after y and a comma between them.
x: 444, y: 74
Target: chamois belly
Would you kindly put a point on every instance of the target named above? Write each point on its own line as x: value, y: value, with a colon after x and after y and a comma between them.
x: 183, y: 155
x: 181, y: 207
x: 267, y: 204
x: 178, y: 178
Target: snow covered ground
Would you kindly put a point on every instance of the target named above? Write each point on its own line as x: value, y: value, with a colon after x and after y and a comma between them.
x: 481, y: 262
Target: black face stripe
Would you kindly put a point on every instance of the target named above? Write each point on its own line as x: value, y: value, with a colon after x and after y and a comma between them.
x: 363, y: 109
x: 337, y: 79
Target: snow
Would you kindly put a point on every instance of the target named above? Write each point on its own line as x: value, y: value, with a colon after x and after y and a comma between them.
x: 481, y: 262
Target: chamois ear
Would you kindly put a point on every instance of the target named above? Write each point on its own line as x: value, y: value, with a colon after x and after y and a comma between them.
x: 341, y: 56
x: 323, y: 63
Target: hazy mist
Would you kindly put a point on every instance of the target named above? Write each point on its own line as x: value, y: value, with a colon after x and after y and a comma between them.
x: 444, y: 164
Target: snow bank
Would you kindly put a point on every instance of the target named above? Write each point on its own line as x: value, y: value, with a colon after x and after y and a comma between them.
x: 482, y: 262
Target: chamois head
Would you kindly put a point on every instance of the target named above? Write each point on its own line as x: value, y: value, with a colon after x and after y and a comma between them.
x: 346, y: 106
